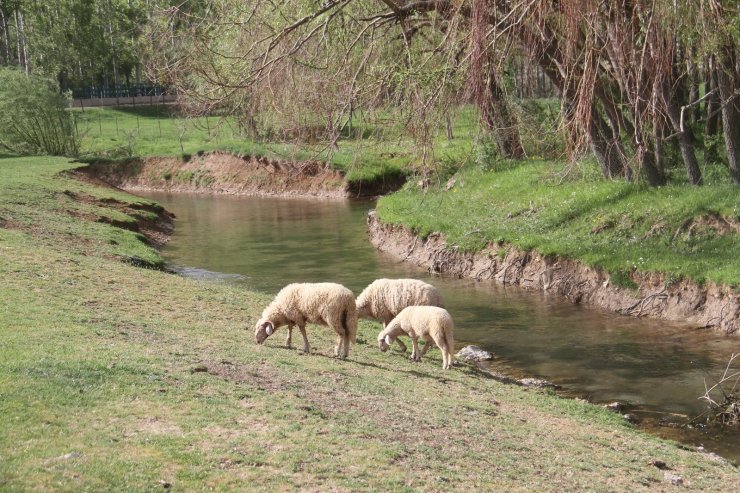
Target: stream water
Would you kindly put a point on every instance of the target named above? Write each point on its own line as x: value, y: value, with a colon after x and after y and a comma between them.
x: 657, y: 368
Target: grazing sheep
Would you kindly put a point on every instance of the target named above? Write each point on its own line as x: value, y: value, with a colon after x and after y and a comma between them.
x: 431, y: 322
x: 383, y: 299
x: 327, y: 304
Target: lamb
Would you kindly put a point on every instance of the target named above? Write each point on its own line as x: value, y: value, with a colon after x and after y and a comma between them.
x: 327, y: 304
x: 431, y: 322
x: 383, y: 299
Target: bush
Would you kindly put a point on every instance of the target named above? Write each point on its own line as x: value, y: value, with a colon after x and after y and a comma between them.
x: 34, y: 117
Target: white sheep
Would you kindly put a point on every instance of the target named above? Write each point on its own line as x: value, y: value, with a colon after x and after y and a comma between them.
x: 430, y: 322
x: 327, y: 304
x: 383, y: 299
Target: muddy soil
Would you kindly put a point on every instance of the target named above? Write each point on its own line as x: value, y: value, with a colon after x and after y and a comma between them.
x: 225, y: 173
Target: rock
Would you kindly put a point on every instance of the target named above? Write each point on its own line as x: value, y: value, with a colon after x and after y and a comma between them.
x: 474, y: 353
x: 199, y: 369
x: 537, y: 383
x: 71, y: 455
x: 616, y: 407
x: 630, y: 418
x: 673, y: 479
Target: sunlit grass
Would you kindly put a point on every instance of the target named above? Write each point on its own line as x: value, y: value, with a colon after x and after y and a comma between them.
x: 614, y: 225
x: 116, y: 378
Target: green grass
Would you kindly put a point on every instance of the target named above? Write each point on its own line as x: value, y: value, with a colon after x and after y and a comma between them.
x: 617, y: 226
x: 382, y: 150
x: 102, y: 385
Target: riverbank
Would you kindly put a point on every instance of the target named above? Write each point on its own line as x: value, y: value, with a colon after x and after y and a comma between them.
x: 115, y: 376
x: 661, y: 253
x: 229, y: 174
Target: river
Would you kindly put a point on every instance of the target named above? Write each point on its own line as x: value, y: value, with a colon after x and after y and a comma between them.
x: 658, y: 368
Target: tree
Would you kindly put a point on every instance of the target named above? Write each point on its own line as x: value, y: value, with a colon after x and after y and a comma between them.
x: 626, y: 70
x: 34, y: 117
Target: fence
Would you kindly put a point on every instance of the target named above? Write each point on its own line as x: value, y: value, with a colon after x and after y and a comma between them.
x: 119, y: 91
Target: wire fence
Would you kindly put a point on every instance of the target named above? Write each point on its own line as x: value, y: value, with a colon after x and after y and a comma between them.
x: 119, y: 91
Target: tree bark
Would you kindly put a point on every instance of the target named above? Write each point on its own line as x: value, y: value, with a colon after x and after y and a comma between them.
x: 671, y: 93
x: 728, y: 81
x: 711, y: 126
x: 499, y: 119
x: 607, y: 148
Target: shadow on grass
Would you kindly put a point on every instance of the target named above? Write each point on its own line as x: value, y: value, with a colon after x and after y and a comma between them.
x: 154, y: 111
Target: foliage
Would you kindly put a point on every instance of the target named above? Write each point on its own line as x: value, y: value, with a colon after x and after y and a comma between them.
x: 77, y: 42
x: 33, y: 116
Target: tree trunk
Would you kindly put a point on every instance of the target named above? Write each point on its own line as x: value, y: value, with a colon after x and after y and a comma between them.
x: 728, y: 81
x: 500, y: 121
x: 686, y: 144
x: 6, y: 57
x: 607, y: 148
x: 685, y: 135
x: 711, y: 127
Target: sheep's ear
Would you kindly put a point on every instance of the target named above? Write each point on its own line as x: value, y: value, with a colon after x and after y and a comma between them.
x: 269, y: 328
x: 388, y: 340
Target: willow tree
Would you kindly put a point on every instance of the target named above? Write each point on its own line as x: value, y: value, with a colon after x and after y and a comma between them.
x: 306, y: 63
x: 626, y: 70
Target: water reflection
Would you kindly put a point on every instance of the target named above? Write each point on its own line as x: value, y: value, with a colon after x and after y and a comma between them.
x: 654, y: 365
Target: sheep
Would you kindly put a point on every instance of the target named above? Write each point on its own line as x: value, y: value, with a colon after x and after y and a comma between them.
x: 431, y: 322
x: 383, y: 299
x: 327, y: 304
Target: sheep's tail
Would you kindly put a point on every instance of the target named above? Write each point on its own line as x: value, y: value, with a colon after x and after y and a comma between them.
x: 349, y: 323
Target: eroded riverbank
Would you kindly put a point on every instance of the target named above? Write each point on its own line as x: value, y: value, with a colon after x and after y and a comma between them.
x: 229, y: 174
x: 708, y: 306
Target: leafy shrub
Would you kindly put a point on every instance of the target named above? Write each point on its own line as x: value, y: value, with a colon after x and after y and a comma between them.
x: 34, y: 117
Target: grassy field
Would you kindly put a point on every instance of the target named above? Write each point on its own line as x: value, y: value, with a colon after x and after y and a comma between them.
x: 383, y: 150
x: 114, y: 377
x: 679, y: 230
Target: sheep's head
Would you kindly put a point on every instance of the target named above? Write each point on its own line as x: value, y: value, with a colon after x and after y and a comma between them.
x: 263, y: 330
x: 384, y: 343
x: 363, y: 307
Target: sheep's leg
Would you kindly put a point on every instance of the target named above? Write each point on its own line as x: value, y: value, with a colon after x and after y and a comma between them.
x: 415, y: 353
x: 289, y: 337
x: 338, y: 347
x: 446, y: 359
x: 441, y: 343
x: 345, y: 350
x: 427, y: 345
x: 306, y: 347
x: 401, y: 345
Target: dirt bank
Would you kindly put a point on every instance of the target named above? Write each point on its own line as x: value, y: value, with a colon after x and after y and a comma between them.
x: 707, y: 306
x: 224, y: 173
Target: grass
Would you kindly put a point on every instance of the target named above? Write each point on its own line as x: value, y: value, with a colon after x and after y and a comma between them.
x: 157, y: 131
x: 120, y: 378
x: 617, y: 226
